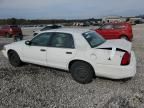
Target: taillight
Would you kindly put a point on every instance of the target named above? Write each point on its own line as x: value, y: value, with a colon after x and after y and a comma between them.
x: 126, y: 59
x: 11, y: 30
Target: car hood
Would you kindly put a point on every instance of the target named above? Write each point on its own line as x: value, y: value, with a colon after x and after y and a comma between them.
x: 118, y: 44
x: 16, y: 43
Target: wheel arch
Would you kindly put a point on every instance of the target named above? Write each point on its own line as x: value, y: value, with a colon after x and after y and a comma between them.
x: 79, y: 60
x: 18, y: 61
x: 124, y: 35
x: 5, y: 32
x: 16, y: 50
x: 11, y: 50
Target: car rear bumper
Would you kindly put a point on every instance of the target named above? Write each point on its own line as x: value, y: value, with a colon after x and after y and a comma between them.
x: 118, y: 72
x: 130, y: 38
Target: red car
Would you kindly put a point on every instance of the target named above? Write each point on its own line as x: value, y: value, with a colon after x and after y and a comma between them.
x: 10, y: 30
x: 116, y: 31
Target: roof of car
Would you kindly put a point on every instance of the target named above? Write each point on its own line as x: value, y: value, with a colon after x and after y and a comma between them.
x: 53, y: 25
x: 115, y: 23
x: 68, y: 30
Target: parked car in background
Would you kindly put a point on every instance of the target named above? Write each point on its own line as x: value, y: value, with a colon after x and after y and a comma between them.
x: 116, y: 31
x: 10, y: 30
x: 82, y: 52
x: 48, y: 27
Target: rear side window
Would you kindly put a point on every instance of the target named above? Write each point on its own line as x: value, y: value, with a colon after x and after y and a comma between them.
x: 62, y: 40
x: 14, y: 26
x: 119, y: 26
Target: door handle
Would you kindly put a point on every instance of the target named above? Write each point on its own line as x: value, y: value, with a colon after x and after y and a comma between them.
x: 68, y: 52
x: 42, y: 50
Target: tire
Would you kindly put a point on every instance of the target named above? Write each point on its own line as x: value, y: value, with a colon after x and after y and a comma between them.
x: 124, y: 37
x: 8, y: 35
x: 82, y: 72
x: 14, y: 59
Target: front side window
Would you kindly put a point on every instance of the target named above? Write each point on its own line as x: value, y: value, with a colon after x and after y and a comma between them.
x: 62, y: 40
x: 93, y: 38
x: 108, y: 26
x: 41, y: 39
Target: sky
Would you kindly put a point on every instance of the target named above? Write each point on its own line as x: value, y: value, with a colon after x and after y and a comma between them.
x: 69, y: 9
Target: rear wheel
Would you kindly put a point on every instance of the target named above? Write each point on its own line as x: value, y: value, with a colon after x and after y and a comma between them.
x: 14, y: 59
x: 124, y: 37
x: 82, y: 72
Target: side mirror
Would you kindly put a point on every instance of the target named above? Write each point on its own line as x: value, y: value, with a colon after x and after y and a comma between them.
x: 28, y: 42
x: 100, y: 28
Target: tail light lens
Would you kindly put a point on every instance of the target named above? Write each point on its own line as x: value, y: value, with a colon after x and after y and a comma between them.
x: 126, y: 59
x: 11, y: 30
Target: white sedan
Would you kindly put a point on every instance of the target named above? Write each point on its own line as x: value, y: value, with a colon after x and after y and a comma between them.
x: 82, y: 52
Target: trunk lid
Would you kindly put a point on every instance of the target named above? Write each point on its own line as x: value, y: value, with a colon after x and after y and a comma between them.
x: 112, y: 51
x: 118, y: 44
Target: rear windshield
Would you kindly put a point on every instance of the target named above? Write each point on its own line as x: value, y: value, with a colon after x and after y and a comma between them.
x: 93, y: 38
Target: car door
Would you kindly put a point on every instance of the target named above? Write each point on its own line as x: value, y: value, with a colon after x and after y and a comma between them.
x: 37, y: 50
x: 61, y: 50
x: 2, y: 31
x: 118, y: 30
x: 107, y: 31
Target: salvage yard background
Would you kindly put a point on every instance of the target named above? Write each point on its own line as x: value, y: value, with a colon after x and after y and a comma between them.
x: 34, y: 86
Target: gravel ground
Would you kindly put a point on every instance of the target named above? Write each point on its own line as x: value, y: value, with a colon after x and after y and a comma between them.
x: 33, y: 86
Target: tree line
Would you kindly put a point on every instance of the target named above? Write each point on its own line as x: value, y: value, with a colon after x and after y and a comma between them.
x: 14, y: 21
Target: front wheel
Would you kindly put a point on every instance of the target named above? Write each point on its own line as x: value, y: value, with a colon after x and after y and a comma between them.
x: 14, y: 59
x: 8, y: 35
x: 82, y: 72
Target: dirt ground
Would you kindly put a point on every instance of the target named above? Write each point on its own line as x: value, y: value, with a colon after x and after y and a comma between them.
x: 33, y: 86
